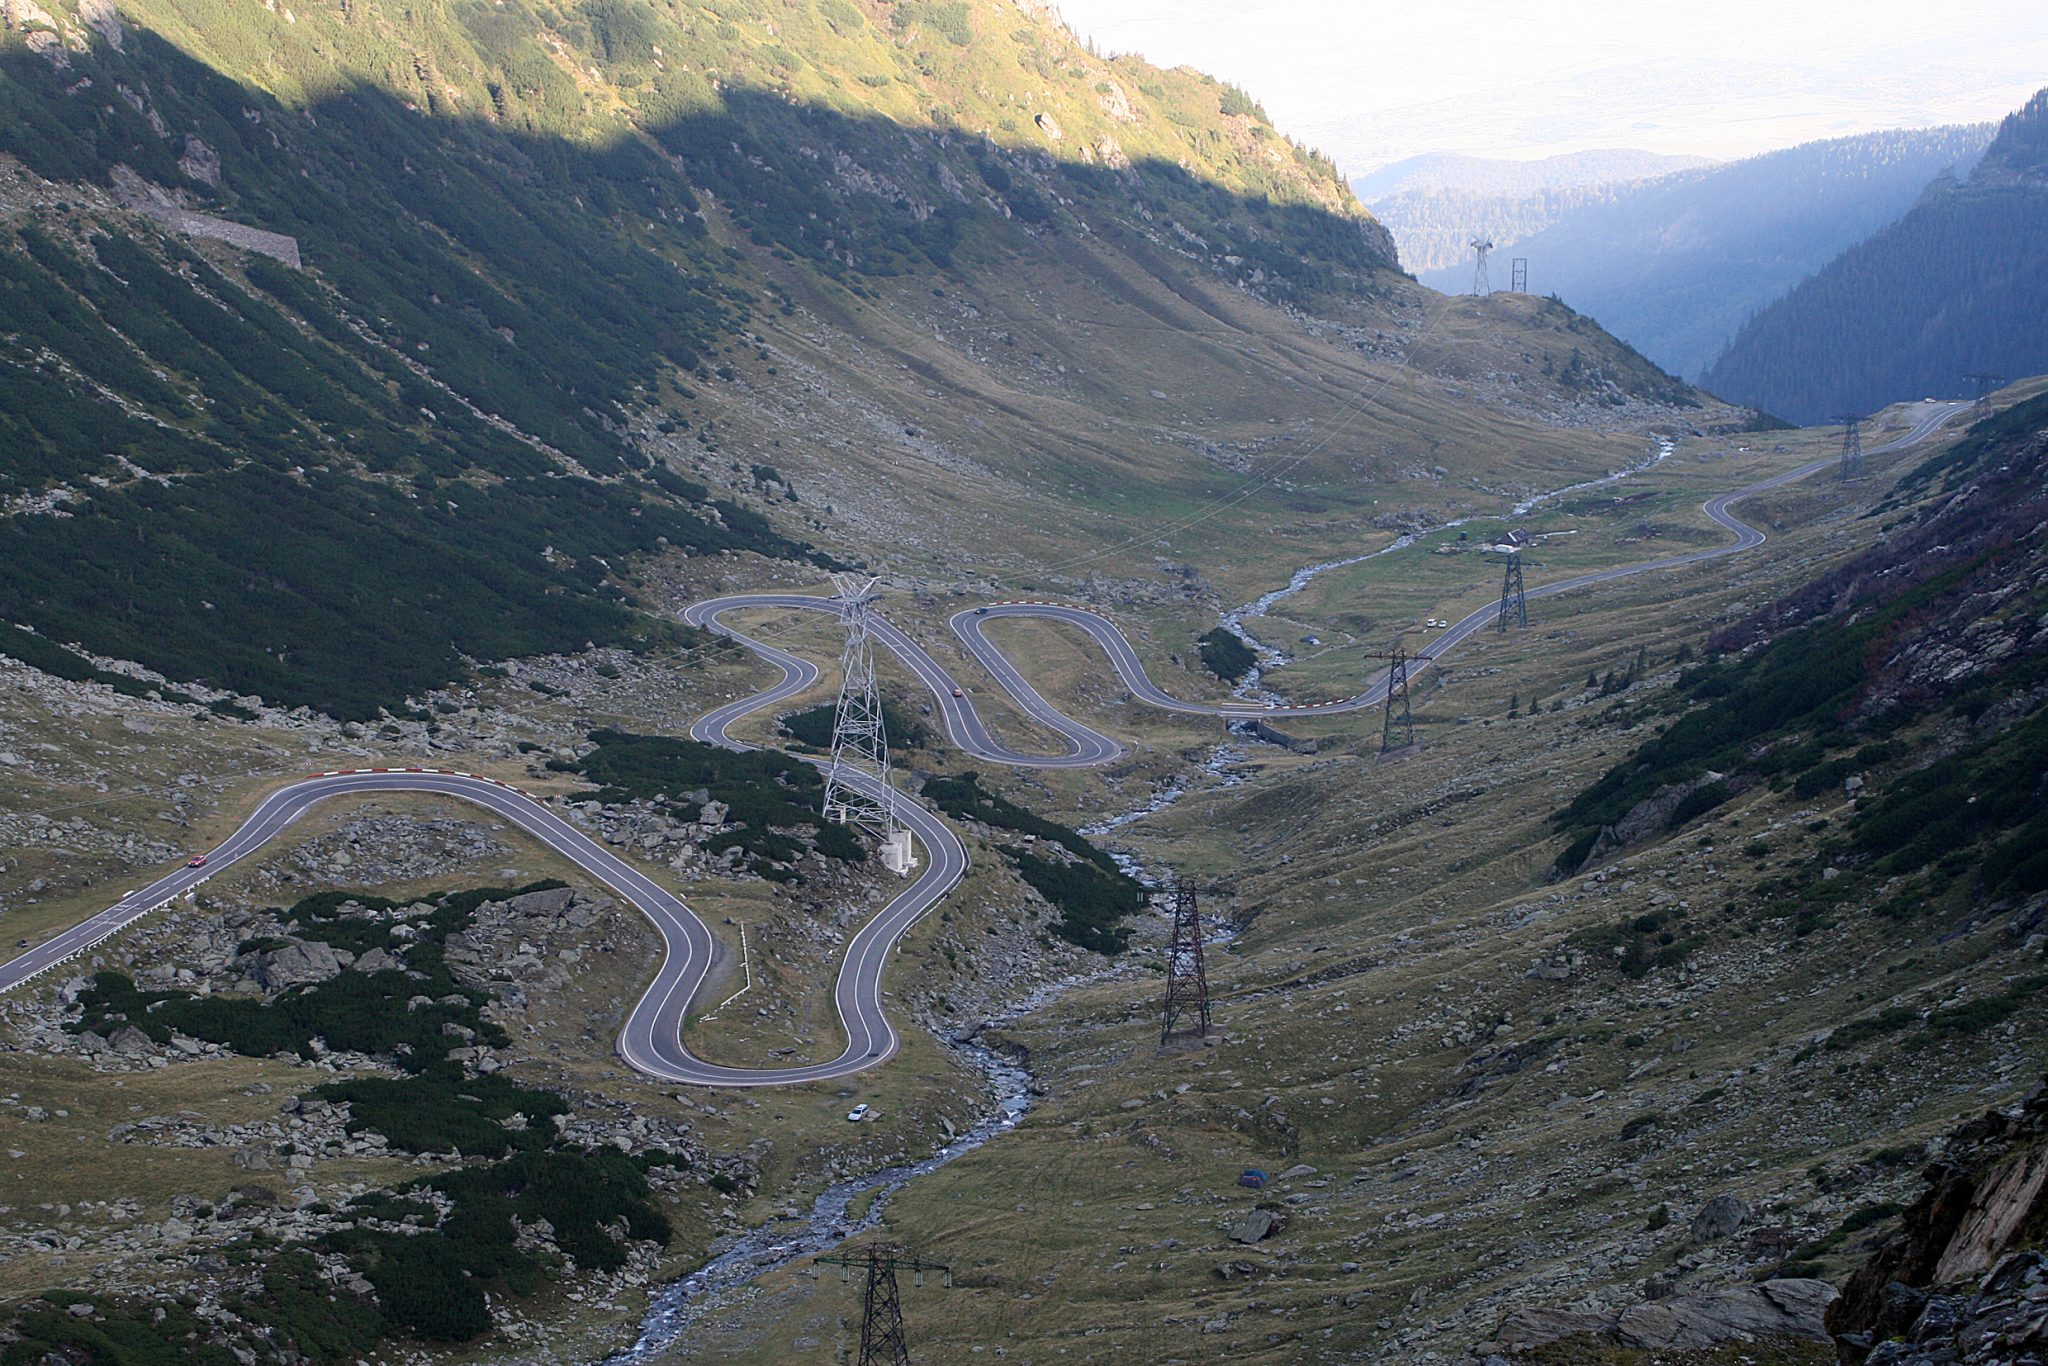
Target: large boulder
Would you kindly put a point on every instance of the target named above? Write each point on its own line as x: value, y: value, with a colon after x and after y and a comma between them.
x: 130, y: 1040
x: 1718, y: 1218
x: 1787, y: 1310
x: 1748, y: 1313
x: 546, y: 904
x: 299, y: 962
x: 1258, y: 1224
x: 1528, y: 1328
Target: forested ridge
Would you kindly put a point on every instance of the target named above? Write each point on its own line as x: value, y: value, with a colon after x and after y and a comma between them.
x: 1957, y: 286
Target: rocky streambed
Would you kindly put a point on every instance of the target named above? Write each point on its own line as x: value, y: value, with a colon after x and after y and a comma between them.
x: 831, y: 1220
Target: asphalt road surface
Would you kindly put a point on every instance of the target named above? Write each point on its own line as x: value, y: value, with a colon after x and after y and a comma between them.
x: 651, y: 1040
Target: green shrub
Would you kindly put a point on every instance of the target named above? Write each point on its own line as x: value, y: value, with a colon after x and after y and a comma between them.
x: 1237, y: 104
x: 964, y: 798
x: 1890, y: 1020
x: 1091, y: 902
x: 1224, y: 655
x: 1638, y: 946
x: 764, y: 790
x: 813, y: 726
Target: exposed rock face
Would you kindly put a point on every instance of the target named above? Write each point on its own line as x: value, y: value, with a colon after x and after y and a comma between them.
x: 99, y: 15
x: 1771, y: 1310
x: 200, y: 162
x: 1923, y: 1287
x: 1650, y: 817
x: 1529, y: 1328
x: 2005, y: 1323
x: 1749, y: 1313
x: 2002, y: 1205
x: 1968, y: 629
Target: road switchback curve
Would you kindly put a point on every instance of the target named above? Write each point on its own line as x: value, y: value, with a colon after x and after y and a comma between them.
x: 651, y: 1039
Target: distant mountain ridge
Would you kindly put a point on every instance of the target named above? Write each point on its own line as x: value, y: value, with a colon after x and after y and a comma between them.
x: 1504, y: 176
x: 1958, y: 285
x: 1675, y: 264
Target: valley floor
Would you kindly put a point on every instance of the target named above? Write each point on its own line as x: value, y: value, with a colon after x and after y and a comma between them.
x: 1472, y: 1093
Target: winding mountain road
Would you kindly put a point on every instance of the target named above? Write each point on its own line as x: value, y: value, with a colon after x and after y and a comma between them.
x: 964, y: 725
x: 651, y: 1040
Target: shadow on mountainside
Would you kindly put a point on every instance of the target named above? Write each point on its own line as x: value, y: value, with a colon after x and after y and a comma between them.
x: 480, y: 305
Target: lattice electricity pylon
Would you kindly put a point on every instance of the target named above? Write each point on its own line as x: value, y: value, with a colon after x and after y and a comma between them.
x: 881, y: 1306
x: 1481, y: 246
x: 1398, y: 719
x: 1187, y: 981
x: 1985, y: 383
x: 1852, y: 446
x: 1518, y: 275
x: 860, y: 747
x: 1514, y: 602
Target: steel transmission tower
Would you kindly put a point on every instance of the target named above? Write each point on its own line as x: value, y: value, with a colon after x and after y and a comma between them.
x: 1852, y: 446
x: 881, y: 1306
x: 860, y: 748
x: 1518, y: 275
x: 1480, y: 246
x: 1398, y: 719
x: 1187, y: 981
x: 1514, y: 602
x: 1985, y: 384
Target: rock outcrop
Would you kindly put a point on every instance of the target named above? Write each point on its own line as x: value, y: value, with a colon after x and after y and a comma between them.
x: 1780, y: 1310
x: 299, y: 962
x: 1958, y: 1283
x: 1718, y: 1218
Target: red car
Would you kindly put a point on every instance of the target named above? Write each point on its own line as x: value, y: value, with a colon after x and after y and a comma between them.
x: 196, y: 861
x: 958, y: 693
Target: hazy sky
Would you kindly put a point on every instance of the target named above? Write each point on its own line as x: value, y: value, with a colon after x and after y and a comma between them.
x: 1371, y: 81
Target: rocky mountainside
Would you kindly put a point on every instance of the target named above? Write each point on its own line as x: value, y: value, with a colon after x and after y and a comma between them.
x: 1677, y: 263
x: 1956, y: 286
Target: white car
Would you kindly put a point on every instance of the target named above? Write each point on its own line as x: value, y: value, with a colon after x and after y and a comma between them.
x: 857, y: 1113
